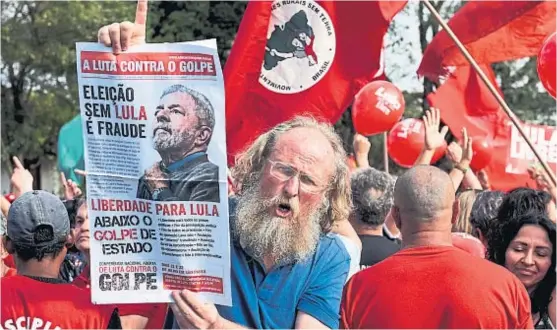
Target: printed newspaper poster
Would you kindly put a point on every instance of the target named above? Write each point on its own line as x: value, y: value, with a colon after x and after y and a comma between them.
x: 155, y: 155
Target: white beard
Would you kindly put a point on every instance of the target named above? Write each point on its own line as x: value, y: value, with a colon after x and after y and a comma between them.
x: 280, y: 240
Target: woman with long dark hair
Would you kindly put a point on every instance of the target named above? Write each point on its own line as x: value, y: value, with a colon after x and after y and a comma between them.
x: 525, y: 245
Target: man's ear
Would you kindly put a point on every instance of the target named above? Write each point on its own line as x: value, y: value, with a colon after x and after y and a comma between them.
x: 456, y: 211
x: 395, y: 214
x: 203, y: 136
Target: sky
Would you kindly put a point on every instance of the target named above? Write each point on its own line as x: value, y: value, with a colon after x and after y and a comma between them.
x: 402, y: 61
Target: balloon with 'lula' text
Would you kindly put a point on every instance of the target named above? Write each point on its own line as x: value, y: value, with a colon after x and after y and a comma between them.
x: 546, y: 65
x: 377, y: 107
x: 406, y: 141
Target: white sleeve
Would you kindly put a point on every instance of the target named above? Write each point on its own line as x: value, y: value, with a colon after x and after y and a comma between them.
x: 388, y: 232
x: 355, y: 254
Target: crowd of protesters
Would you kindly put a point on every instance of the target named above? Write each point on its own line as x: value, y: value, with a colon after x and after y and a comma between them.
x: 314, y: 244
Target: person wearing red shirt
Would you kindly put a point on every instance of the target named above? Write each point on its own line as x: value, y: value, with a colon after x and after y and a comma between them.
x: 133, y: 316
x: 38, y: 237
x: 431, y: 284
x: 6, y: 260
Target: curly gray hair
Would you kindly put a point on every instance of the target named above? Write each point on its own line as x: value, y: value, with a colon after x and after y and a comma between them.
x: 368, y: 209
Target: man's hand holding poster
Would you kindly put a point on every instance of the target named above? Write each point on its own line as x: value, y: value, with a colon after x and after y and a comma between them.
x: 155, y: 154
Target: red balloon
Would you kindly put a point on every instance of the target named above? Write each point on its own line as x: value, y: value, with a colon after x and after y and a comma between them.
x: 377, y: 107
x: 406, y: 141
x: 482, y: 153
x: 546, y: 65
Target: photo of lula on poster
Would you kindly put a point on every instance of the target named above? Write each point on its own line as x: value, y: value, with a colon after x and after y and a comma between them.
x: 155, y: 154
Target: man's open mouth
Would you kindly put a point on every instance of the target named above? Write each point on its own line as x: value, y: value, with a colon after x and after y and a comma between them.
x: 284, y: 210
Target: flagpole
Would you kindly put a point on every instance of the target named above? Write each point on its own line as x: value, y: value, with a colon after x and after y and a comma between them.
x: 491, y: 88
x: 385, y: 152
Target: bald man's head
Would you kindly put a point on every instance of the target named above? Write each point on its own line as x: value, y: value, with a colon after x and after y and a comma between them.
x: 424, y: 193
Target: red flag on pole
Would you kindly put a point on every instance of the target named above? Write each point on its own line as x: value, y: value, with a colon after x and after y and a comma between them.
x: 465, y: 101
x: 492, y: 31
x: 301, y: 57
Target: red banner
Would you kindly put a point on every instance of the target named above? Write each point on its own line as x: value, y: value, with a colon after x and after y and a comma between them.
x: 492, y: 31
x: 465, y: 101
x: 301, y: 57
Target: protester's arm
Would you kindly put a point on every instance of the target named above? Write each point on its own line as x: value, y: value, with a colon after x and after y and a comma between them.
x: 361, y: 147
x: 463, y: 167
x: 305, y: 321
x: 471, y: 180
x: 484, y: 179
x: 433, y: 138
x: 191, y: 312
x: 71, y: 189
x: 454, y: 154
x: 21, y: 179
x: 543, y: 181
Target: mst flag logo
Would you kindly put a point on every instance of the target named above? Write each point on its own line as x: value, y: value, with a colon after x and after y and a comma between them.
x: 300, y: 46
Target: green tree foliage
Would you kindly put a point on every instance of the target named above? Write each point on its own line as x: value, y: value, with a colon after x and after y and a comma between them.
x: 523, y: 92
x: 39, y: 85
x: 176, y: 21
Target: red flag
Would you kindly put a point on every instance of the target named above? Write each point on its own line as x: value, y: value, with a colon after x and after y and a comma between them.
x: 301, y: 57
x: 465, y: 101
x: 492, y: 31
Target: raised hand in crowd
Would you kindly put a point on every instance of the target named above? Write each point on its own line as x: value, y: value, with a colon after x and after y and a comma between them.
x: 543, y: 182
x: 71, y: 189
x: 123, y: 35
x: 454, y: 154
x: 361, y: 146
x: 433, y: 137
x: 22, y: 180
x: 466, y: 145
x: 461, y: 169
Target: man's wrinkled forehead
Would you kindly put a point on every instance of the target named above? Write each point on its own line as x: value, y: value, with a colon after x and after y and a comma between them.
x: 307, y: 143
x: 181, y: 98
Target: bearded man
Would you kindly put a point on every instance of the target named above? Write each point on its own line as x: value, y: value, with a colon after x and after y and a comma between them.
x: 287, y: 270
x: 184, y: 123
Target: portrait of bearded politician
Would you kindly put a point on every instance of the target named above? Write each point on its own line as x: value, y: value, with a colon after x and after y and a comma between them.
x: 182, y: 129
